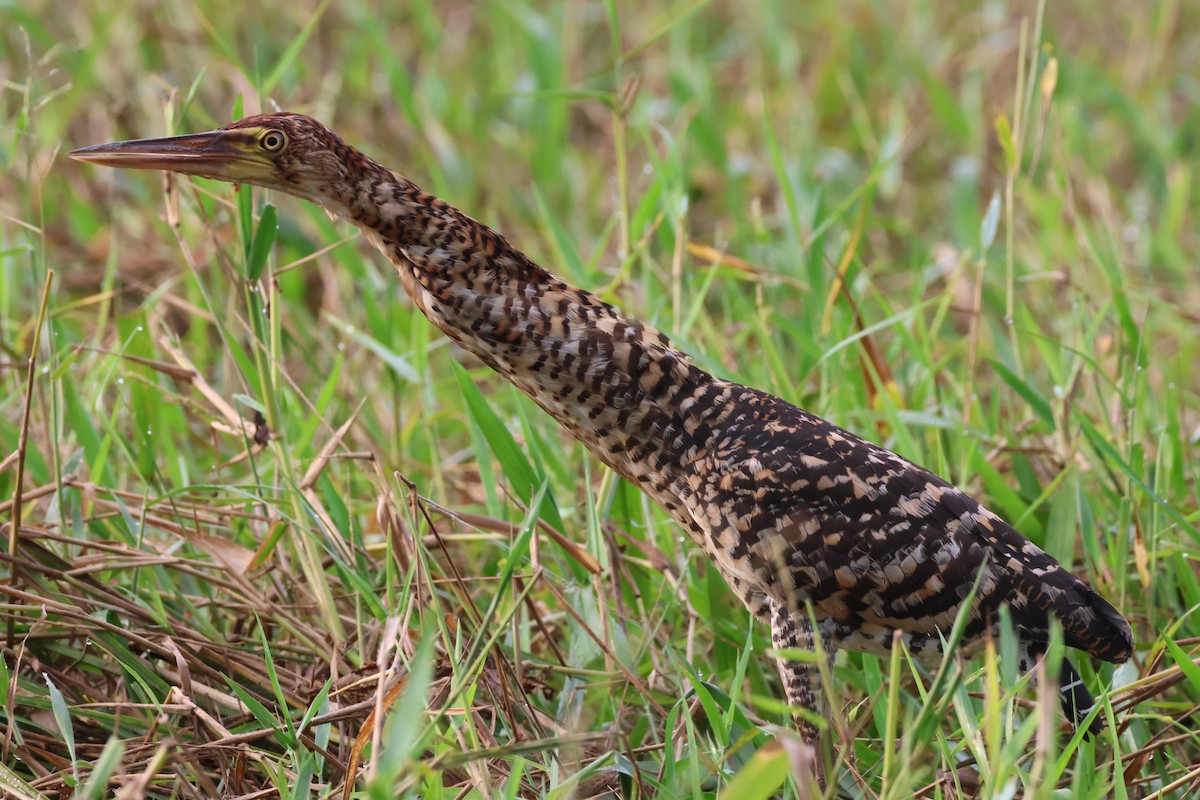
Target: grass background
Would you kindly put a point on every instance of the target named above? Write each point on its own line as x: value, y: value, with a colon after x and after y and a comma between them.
x: 277, y: 535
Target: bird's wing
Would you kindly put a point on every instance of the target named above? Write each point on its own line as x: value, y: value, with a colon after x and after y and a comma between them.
x: 873, y: 539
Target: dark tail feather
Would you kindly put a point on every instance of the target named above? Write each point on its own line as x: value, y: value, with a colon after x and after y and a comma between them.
x: 1077, y: 701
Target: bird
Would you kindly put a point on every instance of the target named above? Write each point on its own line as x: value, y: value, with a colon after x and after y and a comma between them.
x: 830, y: 540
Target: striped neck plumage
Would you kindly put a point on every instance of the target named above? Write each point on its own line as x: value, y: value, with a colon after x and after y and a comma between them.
x: 617, y: 384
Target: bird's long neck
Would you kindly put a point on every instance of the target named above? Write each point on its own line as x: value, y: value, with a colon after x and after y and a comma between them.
x: 616, y: 384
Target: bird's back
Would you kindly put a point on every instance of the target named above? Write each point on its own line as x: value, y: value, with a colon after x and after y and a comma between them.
x: 798, y: 510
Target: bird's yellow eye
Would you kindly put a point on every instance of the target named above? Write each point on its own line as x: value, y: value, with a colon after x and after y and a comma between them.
x: 272, y: 141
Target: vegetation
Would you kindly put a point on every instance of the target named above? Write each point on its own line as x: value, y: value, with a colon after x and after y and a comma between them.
x: 280, y: 538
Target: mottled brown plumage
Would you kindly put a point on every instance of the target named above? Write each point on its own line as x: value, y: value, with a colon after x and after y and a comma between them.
x: 807, y: 522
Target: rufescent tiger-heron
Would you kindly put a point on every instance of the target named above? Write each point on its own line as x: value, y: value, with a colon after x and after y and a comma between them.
x: 824, y: 537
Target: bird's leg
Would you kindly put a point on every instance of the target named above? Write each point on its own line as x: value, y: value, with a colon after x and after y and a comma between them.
x: 801, y: 678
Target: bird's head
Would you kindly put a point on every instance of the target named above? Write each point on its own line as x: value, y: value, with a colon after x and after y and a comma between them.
x: 288, y: 152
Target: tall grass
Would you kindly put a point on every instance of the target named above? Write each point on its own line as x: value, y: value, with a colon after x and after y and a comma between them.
x: 278, y: 538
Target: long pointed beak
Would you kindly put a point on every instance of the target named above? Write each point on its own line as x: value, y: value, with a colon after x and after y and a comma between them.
x: 195, y: 154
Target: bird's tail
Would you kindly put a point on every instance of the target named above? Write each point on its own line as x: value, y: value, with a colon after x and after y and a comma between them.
x: 1077, y: 701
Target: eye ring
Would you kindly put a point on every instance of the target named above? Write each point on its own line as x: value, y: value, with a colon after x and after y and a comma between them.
x: 273, y: 141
